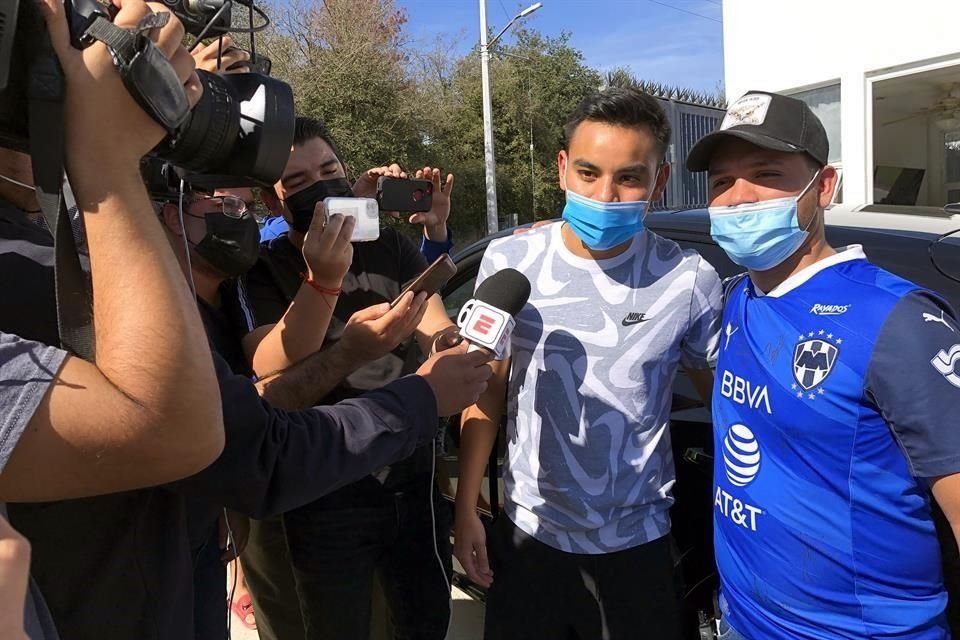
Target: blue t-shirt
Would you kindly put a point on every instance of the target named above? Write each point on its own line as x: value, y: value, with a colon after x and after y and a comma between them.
x: 273, y: 228
x: 835, y: 404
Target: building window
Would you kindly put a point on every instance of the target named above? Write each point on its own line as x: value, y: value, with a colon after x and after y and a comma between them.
x: 916, y: 141
x: 952, y: 181
x: 825, y: 103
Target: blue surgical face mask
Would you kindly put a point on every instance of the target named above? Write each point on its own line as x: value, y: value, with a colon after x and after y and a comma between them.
x: 760, y: 235
x: 603, y: 225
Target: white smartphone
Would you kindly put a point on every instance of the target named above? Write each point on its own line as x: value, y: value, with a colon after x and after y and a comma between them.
x: 365, y: 211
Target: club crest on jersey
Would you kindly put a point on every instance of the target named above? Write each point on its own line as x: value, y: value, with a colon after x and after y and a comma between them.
x: 813, y: 360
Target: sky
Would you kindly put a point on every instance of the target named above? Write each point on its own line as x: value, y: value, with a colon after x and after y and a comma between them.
x: 661, y: 41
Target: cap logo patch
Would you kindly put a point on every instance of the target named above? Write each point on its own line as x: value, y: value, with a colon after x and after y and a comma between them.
x: 750, y: 109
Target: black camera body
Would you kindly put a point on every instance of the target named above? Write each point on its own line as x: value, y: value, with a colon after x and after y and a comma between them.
x: 238, y: 134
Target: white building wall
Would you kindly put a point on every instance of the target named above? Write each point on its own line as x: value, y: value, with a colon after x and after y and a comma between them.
x: 781, y: 45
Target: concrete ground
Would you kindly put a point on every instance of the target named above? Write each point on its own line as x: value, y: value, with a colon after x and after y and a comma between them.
x: 467, y: 623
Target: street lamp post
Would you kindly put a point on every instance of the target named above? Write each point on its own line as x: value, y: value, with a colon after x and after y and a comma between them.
x: 489, y: 159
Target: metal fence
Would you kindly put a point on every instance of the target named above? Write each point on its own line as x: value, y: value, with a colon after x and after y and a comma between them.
x: 690, y: 123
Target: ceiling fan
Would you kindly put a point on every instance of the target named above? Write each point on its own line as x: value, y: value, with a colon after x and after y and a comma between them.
x: 946, y: 109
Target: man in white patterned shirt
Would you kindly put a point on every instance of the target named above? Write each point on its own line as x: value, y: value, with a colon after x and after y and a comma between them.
x: 582, y: 549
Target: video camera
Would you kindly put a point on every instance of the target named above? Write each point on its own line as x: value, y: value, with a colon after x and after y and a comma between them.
x: 239, y: 133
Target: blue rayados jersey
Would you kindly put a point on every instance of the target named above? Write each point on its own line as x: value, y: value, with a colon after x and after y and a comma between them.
x: 835, y: 401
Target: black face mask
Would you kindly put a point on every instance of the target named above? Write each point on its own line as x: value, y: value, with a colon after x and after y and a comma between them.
x: 302, y: 203
x: 231, y: 245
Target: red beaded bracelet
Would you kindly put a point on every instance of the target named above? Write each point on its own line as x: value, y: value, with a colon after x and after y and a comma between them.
x: 330, y: 292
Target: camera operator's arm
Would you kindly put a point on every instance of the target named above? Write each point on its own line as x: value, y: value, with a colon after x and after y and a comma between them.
x: 148, y: 411
x: 300, y: 332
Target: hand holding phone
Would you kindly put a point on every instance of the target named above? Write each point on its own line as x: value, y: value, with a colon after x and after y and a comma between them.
x: 432, y: 280
x: 364, y: 211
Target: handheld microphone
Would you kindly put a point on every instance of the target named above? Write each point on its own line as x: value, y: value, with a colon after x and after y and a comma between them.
x: 487, y: 321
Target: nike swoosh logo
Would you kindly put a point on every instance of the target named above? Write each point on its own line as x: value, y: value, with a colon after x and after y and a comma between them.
x: 629, y: 322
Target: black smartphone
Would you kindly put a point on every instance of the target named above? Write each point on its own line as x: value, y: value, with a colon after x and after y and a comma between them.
x: 406, y: 196
x: 432, y: 280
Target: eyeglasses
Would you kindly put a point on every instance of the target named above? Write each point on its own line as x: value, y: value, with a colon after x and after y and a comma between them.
x: 230, y: 206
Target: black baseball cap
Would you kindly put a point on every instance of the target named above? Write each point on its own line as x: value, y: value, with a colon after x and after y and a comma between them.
x: 770, y: 121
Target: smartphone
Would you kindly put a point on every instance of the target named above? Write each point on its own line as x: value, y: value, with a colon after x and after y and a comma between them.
x: 364, y: 210
x: 432, y: 280
x: 407, y: 196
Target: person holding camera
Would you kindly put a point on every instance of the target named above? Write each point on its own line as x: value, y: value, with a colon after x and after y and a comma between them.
x: 393, y: 523
x: 147, y: 410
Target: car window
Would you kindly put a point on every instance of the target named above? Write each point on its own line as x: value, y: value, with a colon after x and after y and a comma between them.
x: 456, y: 298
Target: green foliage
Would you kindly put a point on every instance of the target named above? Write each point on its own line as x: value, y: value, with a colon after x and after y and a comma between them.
x: 536, y: 84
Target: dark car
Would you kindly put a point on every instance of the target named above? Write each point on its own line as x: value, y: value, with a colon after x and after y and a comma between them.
x: 905, y: 253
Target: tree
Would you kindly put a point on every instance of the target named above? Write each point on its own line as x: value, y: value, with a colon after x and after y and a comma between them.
x: 536, y: 83
x: 346, y: 63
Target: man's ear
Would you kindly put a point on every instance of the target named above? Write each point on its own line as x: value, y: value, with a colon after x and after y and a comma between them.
x: 170, y: 216
x: 663, y: 177
x: 826, y: 186
x: 562, y: 159
x: 271, y: 201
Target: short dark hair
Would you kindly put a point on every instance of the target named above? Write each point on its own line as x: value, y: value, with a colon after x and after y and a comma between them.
x: 307, y: 129
x: 622, y: 107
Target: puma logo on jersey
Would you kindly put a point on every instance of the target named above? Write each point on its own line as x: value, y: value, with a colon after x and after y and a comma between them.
x: 929, y: 317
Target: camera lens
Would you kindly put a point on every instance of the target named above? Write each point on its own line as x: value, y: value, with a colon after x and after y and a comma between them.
x: 239, y: 134
x: 206, y: 138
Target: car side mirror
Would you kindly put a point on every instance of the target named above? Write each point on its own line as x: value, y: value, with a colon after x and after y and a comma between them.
x: 953, y: 208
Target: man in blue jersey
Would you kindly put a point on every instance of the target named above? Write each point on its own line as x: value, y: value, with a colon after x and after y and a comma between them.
x: 835, y: 403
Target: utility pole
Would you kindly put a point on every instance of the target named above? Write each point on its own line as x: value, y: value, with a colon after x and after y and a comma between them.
x: 489, y: 157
